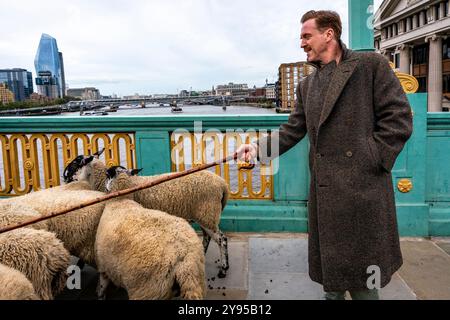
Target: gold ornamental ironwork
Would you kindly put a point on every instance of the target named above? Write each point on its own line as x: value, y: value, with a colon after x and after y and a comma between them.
x: 408, y: 82
x: 195, y: 149
x: 30, y: 162
x: 405, y: 185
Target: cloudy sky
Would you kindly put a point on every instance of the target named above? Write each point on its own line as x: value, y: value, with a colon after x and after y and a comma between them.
x: 160, y: 46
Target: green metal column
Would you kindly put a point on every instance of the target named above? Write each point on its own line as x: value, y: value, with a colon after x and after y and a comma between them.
x: 360, y: 17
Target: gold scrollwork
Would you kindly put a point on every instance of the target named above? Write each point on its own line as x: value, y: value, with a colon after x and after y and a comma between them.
x: 28, y: 157
x: 408, y: 82
x: 28, y: 165
x: 197, y: 149
x: 405, y: 185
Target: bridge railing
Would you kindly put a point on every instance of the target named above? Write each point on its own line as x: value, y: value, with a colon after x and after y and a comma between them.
x: 268, y: 199
x: 438, y: 172
x: 34, y: 152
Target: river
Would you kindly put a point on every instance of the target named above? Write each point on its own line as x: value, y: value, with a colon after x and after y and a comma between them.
x: 156, y: 110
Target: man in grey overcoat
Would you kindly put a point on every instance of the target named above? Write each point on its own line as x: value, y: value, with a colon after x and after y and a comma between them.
x: 358, y: 119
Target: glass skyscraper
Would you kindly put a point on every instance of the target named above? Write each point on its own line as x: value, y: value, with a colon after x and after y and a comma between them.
x: 18, y: 81
x: 49, y: 68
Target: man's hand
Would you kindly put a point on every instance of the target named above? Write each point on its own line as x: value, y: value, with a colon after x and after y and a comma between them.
x: 247, y: 152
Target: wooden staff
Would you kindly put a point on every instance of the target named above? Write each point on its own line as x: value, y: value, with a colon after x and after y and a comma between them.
x: 126, y: 191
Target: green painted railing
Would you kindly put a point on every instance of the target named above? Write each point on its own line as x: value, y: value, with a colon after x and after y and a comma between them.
x: 286, y: 211
x: 425, y: 162
x: 438, y: 173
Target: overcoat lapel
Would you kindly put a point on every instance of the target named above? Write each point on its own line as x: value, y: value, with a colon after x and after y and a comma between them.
x: 339, y: 79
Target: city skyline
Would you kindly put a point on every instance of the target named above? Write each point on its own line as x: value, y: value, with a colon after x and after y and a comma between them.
x: 150, y: 47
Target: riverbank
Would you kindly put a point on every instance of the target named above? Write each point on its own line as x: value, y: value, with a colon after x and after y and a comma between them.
x: 253, y: 104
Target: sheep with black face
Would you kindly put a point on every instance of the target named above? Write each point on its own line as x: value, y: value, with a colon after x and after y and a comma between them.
x: 199, y: 197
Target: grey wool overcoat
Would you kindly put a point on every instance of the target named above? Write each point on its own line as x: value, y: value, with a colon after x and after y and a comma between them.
x: 365, y: 121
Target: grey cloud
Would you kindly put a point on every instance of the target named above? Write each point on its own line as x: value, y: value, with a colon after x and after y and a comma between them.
x: 150, y: 46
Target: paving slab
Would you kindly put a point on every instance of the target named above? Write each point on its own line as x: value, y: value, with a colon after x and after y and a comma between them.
x: 283, y: 286
x: 426, y: 269
x: 235, y: 285
x: 397, y: 289
x: 278, y: 255
x: 444, y: 246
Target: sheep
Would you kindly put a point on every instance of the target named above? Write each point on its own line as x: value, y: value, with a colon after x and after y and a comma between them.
x: 40, y: 256
x: 76, y: 229
x: 200, y: 197
x: 15, y: 286
x: 148, y: 252
x: 12, y: 213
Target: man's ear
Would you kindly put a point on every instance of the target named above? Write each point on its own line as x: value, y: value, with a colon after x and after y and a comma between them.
x: 135, y: 172
x: 330, y: 34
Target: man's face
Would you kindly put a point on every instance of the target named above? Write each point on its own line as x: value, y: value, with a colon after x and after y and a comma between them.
x: 314, y: 42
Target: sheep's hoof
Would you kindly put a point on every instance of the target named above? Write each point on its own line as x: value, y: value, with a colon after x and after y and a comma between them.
x: 222, y: 274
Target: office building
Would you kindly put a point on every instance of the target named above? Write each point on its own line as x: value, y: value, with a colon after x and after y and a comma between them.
x: 18, y: 81
x: 49, y: 68
x: 6, y: 95
x: 290, y: 75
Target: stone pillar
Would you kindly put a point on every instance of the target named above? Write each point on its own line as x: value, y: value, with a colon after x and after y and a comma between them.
x: 435, y: 74
x: 432, y: 14
x: 448, y: 5
x: 386, y: 54
x: 422, y: 18
x: 405, y: 58
x: 401, y: 27
x: 408, y: 24
x: 442, y: 10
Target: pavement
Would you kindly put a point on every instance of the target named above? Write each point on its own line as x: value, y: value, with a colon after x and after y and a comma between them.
x: 274, y: 266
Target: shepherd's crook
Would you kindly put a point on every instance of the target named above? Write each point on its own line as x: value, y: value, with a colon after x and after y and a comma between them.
x: 127, y: 191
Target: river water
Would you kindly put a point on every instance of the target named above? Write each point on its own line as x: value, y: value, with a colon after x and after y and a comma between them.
x: 156, y: 110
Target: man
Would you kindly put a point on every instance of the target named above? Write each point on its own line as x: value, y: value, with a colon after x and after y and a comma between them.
x: 358, y: 119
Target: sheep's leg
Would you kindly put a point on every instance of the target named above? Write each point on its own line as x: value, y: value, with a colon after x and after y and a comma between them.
x: 80, y: 263
x: 206, y: 240
x: 103, y: 282
x: 222, y: 242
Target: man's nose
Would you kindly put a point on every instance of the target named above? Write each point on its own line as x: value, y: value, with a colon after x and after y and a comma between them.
x: 303, y: 43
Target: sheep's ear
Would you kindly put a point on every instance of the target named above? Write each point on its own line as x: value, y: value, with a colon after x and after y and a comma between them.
x: 135, y: 172
x: 111, y: 172
x: 87, y: 160
x: 72, y: 168
x: 98, y: 153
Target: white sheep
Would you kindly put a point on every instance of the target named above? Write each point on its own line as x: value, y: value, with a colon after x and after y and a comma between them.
x: 14, y: 213
x: 148, y: 252
x: 14, y: 285
x: 39, y: 255
x: 200, y: 197
x: 76, y: 229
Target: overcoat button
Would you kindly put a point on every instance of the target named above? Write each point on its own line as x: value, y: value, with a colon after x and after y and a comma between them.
x: 349, y: 154
x: 318, y: 155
